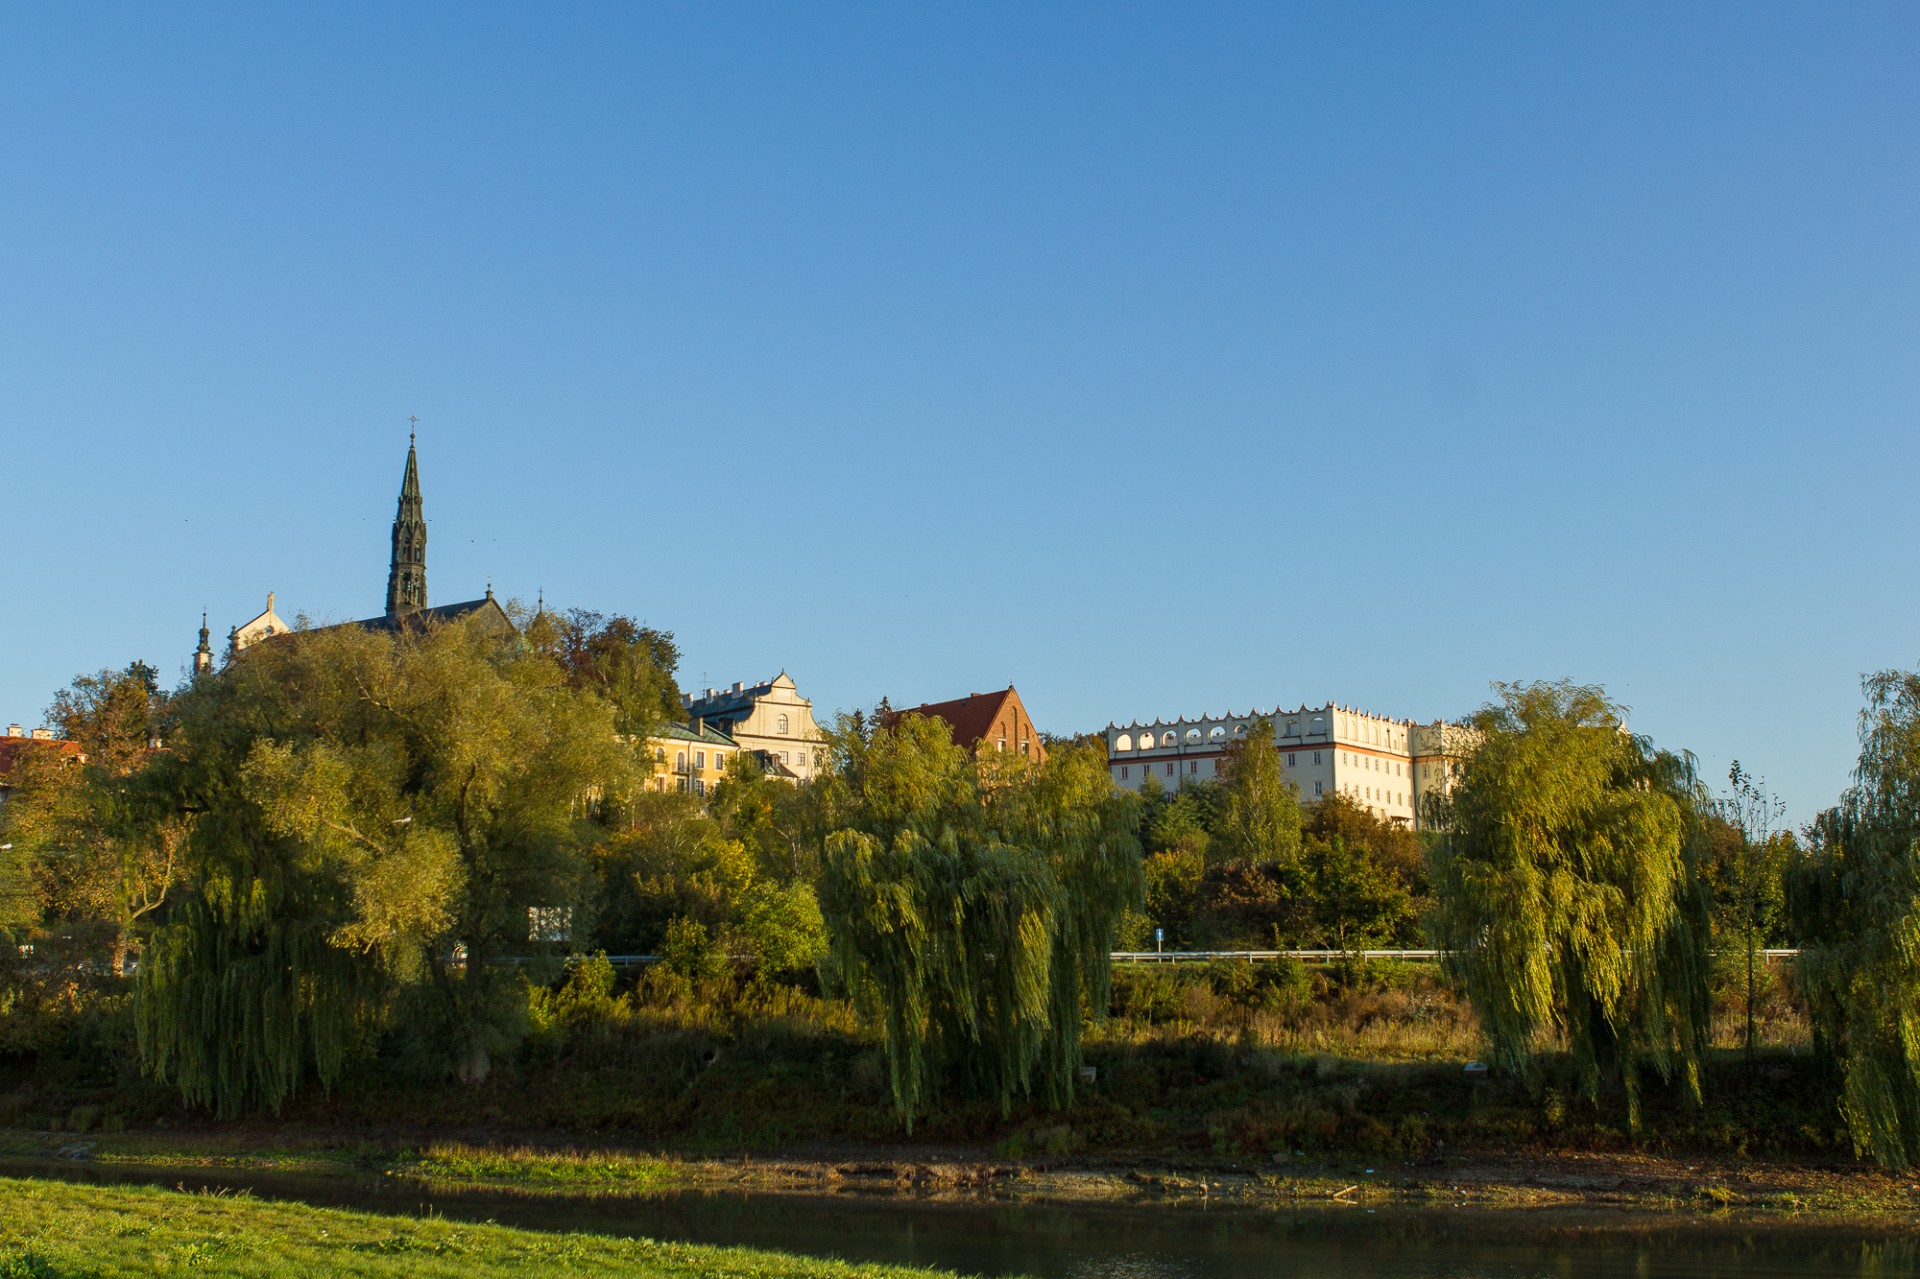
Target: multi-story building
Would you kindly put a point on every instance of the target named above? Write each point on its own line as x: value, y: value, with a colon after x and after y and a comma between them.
x: 1385, y: 765
x: 690, y: 757
x: 770, y: 719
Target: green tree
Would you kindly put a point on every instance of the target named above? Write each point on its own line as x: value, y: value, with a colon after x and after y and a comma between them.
x: 674, y: 865
x: 1180, y: 820
x: 84, y: 860
x: 369, y: 814
x: 1567, y: 893
x: 973, y: 908
x: 777, y: 820
x: 629, y: 665
x: 1356, y: 902
x: 1855, y: 908
x: 1745, y: 871
x: 1258, y: 816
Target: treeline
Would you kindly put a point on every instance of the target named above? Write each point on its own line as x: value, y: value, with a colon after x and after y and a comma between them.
x: 351, y: 851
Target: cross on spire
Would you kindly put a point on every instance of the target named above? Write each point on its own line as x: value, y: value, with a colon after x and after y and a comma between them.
x: 412, y: 422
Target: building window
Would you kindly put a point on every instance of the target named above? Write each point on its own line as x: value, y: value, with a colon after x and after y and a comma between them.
x: 1123, y: 772
x: 680, y: 760
x: 699, y: 787
x: 1023, y: 746
x: 1316, y: 757
x: 1169, y: 770
x: 780, y: 726
x: 1289, y: 759
x: 1193, y: 766
x: 1316, y: 790
x: 699, y: 759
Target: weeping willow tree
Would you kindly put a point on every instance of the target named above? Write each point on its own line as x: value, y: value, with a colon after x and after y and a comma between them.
x: 1567, y: 891
x: 1855, y: 908
x: 973, y: 907
x: 373, y: 820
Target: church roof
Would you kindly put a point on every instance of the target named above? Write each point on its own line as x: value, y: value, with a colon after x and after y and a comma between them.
x: 439, y: 613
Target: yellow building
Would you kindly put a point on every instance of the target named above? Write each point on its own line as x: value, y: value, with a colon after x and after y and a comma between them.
x: 690, y: 757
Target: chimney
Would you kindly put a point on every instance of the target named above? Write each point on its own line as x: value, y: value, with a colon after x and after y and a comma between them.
x: 739, y: 685
x: 698, y: 724
x: 14, y: 730
x: 42, y: 734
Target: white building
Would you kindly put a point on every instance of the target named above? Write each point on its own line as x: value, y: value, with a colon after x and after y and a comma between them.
x: 769, y: 718
x: 1385, y: 765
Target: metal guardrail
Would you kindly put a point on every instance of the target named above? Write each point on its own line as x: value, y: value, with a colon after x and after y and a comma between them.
x: 1144, y: 956
x: 1325, y: 956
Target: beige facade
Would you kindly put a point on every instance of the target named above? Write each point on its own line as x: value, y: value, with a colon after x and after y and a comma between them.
x: 1388, y: 766
x: 265, y: 626
x: 689, y: 758
x: 770, y: 718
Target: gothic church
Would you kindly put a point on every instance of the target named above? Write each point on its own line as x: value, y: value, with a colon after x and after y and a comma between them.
x: 407, y: 605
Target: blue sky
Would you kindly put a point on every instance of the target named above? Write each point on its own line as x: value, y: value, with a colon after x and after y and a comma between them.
x: 1159, y: 359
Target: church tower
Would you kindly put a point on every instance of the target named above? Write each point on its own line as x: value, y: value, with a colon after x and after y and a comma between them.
x: 407, y: 579
x: 202, y: 656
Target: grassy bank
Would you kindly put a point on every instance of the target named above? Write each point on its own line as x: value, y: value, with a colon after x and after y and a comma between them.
x: 1231, y: 1063
x: 308, y: 1165
x: 50, y: 1230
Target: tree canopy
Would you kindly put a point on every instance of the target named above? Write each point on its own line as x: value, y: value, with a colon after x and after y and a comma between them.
x: 1856, y: 913
x: 1567, y: 891
x: 365, y: 813
x: 973, y: 904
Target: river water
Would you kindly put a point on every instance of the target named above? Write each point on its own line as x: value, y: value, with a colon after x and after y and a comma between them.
x: 1131, y: 1242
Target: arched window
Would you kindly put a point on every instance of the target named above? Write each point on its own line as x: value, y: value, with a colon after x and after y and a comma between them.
x: 1193, y: 734
x: 1124, y: 742
x: 1239, y: 730
x: 1169, y: 740
x: 780, y: 727
x: 680, y: 760
x: 1217, y: 732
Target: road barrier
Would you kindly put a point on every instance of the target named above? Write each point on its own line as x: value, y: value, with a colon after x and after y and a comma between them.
x: 1147, y: 956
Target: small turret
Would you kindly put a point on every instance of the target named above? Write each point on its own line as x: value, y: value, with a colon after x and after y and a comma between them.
x: 202, y: 656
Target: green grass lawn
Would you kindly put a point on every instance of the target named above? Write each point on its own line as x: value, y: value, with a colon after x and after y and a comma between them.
x: 53, y: 1230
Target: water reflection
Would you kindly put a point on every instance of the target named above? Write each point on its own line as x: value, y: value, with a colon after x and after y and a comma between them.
x: 1136, y: 1242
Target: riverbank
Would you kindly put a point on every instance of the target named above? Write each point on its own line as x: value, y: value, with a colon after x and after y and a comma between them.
x: 1625, y: 1184
x: 57, y: 1230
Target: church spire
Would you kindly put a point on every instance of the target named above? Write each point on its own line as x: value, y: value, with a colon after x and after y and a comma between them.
x: 407, y: 579
x: 202, y: 656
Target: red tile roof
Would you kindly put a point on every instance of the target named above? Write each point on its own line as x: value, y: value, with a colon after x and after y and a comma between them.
x: 12, y: 748
x: 969, y: 717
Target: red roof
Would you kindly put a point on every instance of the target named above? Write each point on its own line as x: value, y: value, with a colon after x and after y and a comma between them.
x: 12, y: 748
x: 968, y: 717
